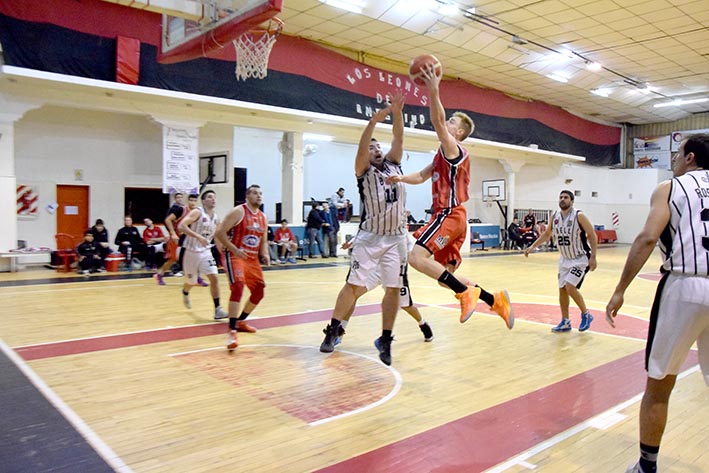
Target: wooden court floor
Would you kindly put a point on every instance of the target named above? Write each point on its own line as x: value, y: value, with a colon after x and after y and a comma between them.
x: 157, y: 391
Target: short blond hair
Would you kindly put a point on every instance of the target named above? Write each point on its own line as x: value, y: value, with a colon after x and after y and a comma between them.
x: 466, y: 124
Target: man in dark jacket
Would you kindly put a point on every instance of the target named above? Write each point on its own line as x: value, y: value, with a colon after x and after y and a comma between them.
x: 101, y: 238
x: 129, y: 240
x: 312, y: 229
x: 90, y: 260
x: 329, y: 231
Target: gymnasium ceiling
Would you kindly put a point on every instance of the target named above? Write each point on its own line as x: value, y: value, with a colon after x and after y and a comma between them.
x: 651, y: 51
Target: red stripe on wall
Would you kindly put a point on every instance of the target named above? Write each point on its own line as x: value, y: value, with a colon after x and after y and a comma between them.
x: 304, y: 58
x: 94, y: 17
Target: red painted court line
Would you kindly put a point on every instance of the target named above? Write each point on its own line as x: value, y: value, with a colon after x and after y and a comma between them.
x: 109, y: 342
x: 482, y: 440
x: 650, y: 276
x: 550, y: 314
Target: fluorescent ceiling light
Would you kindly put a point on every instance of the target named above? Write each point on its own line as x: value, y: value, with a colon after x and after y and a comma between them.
x: 316, y: 137
x: 567, y: 53
x: 349, y: 5
x: 594, y: 66
x: 448, y: 9
x: 678, y: 102
x: 416, y: 5
x: 558, y: 78
x: 602, y: 91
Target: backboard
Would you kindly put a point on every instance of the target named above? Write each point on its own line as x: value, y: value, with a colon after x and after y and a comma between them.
x: 201, y: 26
x: 494, y: 190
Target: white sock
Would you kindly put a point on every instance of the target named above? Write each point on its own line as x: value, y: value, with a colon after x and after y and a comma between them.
x: 343, y: 324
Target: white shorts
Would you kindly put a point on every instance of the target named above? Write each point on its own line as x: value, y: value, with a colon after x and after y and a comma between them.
x: 572, y: 271
x: 377, y: 259
x: 375, y: 278
x: 682, y: 318
x: 198, y: 262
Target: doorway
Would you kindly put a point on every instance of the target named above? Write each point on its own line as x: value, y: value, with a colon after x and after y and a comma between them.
x: 73, y: 210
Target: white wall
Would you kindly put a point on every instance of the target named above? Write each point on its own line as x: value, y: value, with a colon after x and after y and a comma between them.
x: 332, y: 167
x: 116, y: 151
x: 257, y: 151
x: 113, y: 151
x: 625, y: 191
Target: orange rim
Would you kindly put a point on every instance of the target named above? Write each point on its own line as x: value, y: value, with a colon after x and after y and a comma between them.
x: 275, y: 26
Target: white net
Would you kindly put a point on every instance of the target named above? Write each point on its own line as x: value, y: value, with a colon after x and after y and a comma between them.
x: 252, y: 52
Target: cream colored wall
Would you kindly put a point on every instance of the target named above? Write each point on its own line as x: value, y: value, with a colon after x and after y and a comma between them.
x: 625, y: 191
x: 112, y: 151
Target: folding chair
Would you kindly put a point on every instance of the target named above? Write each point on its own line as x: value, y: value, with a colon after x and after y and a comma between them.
x: 66, y: 251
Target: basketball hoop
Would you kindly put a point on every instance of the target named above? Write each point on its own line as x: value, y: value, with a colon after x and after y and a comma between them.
x: 253, y: 49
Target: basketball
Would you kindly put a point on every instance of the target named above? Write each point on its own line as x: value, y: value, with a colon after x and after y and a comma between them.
x: 419, y: 63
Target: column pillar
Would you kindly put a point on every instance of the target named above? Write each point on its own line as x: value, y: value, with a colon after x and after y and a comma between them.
x: 511, y: 167
x: 11, y: 111
x: 292, y: 178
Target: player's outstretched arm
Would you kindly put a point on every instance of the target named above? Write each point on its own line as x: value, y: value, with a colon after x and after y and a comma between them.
x: 362, y: 159
x: 543, y: 238
x: 642, y: 247
x: 415, y: 178
x: 438, y: 113
x: 397, y: 112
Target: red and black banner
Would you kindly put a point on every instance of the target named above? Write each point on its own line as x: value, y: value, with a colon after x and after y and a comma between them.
x: 81, y: 38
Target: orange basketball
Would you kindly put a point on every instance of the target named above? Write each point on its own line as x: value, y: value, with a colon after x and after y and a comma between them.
x: 420, y: 62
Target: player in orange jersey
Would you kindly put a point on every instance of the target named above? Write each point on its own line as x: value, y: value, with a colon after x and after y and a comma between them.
x: 244, y: 236
x: 446, y: 232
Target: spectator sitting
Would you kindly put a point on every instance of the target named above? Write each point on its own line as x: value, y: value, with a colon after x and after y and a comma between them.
x: 89, y: 252
x: 272, y: 246
x: 514, y: 233
x: 286, y: 241
x: 530, y: 221
x: 101, y: 238
x: 129, y: 241
x: 410, y: 218
x: 529, y: 237
x: 154, y: 240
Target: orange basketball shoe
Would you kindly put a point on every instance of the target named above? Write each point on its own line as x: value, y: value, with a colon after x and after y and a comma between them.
x: 232, y: 340
x: 242, y: 326
x: 503, y: 307
x: 468, y: 301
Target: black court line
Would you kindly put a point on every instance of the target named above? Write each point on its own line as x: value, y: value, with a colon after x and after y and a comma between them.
x: 34, y: 436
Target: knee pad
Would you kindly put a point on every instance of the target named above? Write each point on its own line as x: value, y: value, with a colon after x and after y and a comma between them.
x: 256, y: 293
x: 237, y: 290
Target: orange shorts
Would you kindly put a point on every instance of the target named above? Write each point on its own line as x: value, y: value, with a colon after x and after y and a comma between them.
x: 444, y: 235
x: 172, y: 250
x: 247, y: 271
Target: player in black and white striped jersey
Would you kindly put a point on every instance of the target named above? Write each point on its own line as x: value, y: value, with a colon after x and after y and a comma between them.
x: 577, y: 243
x: 679, y: 219
x: 199, y: 226
x: 380, y: 244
